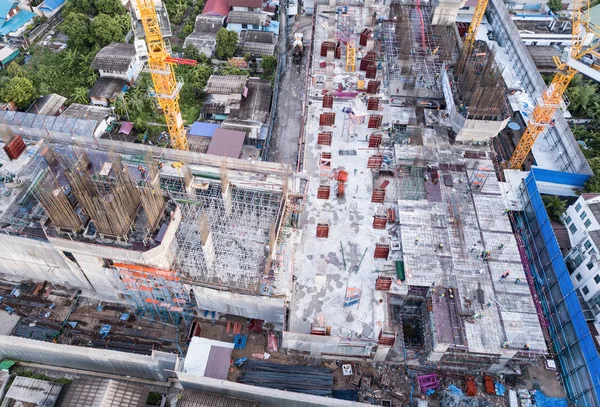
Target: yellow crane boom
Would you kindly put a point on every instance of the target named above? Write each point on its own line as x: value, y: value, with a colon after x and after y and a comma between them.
x: 543, y: 112
x: 475, y: 23
x: 163, y: 75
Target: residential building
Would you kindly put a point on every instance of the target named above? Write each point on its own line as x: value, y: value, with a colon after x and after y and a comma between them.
x: 102, y: 116
x: 7, y: 54
x: 96, y: 391
x: 245, y: 5
x: 226, y: 143
x: 257, y: 43
x: 200, y: 134
x: 204, y: 36
x: 119, y: 61
x: 13, y: 20
x: 49, y: 105
x: 224, y: 96
x: 106, y: 90
x: 247, y: 20
x: 25, y: 391
x: 218, y: 8
x: 582, y: 222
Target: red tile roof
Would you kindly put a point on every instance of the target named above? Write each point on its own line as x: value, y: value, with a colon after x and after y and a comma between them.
x: 216, y: 8
x: 246, y: 3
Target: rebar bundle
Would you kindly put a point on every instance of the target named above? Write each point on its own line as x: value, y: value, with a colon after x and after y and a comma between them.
x: 113, y: 205
x: 480, y: 86
x: 56, y: 204
x: 151, y: 195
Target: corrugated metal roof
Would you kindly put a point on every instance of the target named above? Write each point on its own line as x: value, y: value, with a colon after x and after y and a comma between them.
x: 78, y: 127
x: 40, y: 393
x: 227, y: 143
x: 225, y: 85
x: 115, y: 57
x: 203, y: 129
x: 121, y: 394
x: 248, y: 17
x: 87, y: 392
x: 17, y: 21
x: 193, y: 398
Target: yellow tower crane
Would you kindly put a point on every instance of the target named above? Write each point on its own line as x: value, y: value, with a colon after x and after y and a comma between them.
x: 162, y: 69
x: 475, y: 23
x: 551, y: 99
x: 350, y: 56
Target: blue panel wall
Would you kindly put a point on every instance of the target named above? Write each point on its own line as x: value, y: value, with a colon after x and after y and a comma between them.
x: 558, y: 177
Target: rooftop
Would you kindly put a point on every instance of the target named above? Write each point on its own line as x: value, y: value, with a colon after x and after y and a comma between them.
x: 257, y: 48
x: 193, y: 398
x: 216, y: 8
x: 248, y: 17
x: 39, y: 123
x: 34, y: 392
x: 107, y: 88
x: 257, y: 104
x: 47, y: 105
x: 226, y: 143
x: 246, y: 3
x: 225, y: 85
x: 87, y: 112
x: 99, y: 392
x: 208, y: 24
x: 257, y: 36
x: 115, y: 57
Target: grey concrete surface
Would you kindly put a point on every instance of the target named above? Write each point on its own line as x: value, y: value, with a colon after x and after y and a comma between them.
x: 288, y: 122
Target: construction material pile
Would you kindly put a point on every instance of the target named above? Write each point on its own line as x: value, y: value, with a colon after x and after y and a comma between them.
x: 317, y: 381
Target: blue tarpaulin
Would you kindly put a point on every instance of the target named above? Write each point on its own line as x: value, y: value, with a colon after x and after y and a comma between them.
x: 455, y: 390
x: 542, y: 401
x: 203, y: 129
x: 500, y: 389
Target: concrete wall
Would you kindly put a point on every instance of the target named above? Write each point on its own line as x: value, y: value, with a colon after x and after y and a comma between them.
x: 155, y: 367
x: 249, y: 306
x: 445, y: 11
x: 317, y: 345
x: 24, y: 258
x: 265, y: 397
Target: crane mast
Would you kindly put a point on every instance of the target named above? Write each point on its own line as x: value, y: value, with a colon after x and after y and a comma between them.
x: 475, y: 23
x: 551, y: 99
x: 163, y: 75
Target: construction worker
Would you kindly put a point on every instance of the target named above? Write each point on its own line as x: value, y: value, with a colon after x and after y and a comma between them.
x: 501, y: 246
x: 526, y: 347
x: 474, y: 247
x: 441, y: 246
x: 489, y: 304
x: 355, y: 171
x: 416, y: 241
x: 517, y: 280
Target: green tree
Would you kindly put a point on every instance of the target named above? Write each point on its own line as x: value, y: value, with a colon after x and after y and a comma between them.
x: 80, y: 95
x: 18, y: 90
x: 232, y: 70
x: 268, y: 65
x: 581, y: 93
x: 554, y: 206
x: 77, y: 28
x: 593, y: 183
x: 110, y: 7
x: 71, y: 58
x: 226, y: 43
x: 86, y: 7
x: 555, y: 5
x: 106, y: 30
x: 13, y: 70
x: 191, y: 52
x: 188, y: 28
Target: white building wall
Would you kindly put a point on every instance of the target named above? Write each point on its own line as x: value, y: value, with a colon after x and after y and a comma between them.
x: 584, y: 256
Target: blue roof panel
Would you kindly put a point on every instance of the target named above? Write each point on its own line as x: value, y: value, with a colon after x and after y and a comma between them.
x: 5, y: 7
x: 203, y: 129
x: 51, y: 5
x: 16, y: 22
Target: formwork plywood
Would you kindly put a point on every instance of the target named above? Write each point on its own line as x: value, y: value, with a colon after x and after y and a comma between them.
x: 364, y: 36
x: 323, y: 230
x: 381, y: 251
x: 375, y: 140
x: 323, y: 192
x: 324, y: 138
x: 378, y: 195
x: 375, y: 161
x: 375, y: 121
x: 379, y: 222
x: 327, y: 119
x: 328, y: 101
x: 373, y: 104
x: 373, y: 86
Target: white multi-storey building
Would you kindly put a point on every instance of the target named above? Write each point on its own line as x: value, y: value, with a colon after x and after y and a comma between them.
x: 583, y: 261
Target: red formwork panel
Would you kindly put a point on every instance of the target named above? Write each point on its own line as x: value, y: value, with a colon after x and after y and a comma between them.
x: 375, y: 140
x: 327, y: 119
x: 373, y: 87
x: 374, y: 121
x: 328, y: 101
x: 383, y: 283
x: 323, y: 192
x: 324, y: 138
x: 373, y: 104
x: 391, y: 215
x: 15, y: 147
x: 381, y: 251
x: 325, y: 46
x: 371, y: 71
x: 378, y: 195
x: 323, y: 230
x: 364, y: 36
x: 341, y: 189
x: 387, y: 338
x: 375, y: 161
x: 366, y: 61
x: 338, y: 51
x: 379, y: 222
x: 325, y: 160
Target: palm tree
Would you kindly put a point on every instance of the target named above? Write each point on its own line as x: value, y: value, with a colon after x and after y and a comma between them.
x: 71, y: 58
x: 555, y: 206
x: 80, y: 95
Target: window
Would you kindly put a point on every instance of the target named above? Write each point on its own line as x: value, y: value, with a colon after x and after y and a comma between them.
x: 590, y: 265
x: 592, y: 251
x: 587, y: 223
x: 587, y: 244
x: 583, y: 215
x: 597, y: 278
x: 573, y: 228
x: 578, y: 277
x: 585, y: 290
x: 244, y: 25
x: 568, y: 220
x: 578, y: 207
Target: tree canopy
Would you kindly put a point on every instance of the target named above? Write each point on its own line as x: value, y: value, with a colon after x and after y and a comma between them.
x: 19, y: 90
x: 268, y: 65
x: 554, y: 206
x: 226, y: 43
x: 77, y: 27
x: 555, y: 5
x: 106, y: 30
